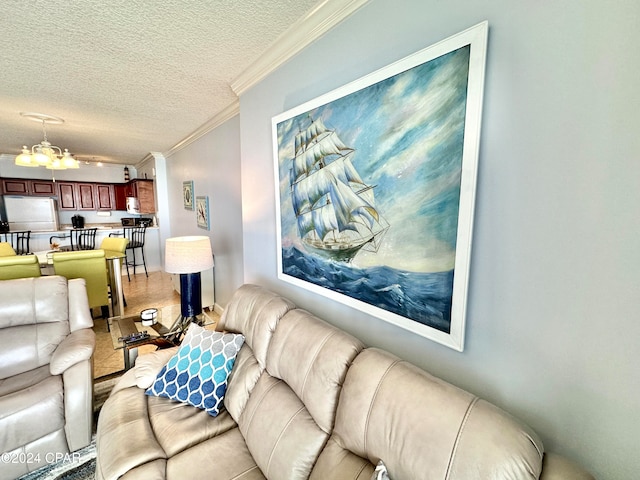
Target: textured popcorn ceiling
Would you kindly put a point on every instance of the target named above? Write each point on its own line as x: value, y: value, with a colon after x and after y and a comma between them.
x: 133, y: 76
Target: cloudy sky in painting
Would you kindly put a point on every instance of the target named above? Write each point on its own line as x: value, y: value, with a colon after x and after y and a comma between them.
x: 408, y: 135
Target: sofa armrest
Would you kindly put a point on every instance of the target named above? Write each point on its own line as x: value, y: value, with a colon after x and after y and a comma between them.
x: 78, y: 404
x: 556, y: 467
x: 77, y: 347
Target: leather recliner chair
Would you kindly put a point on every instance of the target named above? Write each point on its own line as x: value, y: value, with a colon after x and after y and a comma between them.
x: 46, y: 375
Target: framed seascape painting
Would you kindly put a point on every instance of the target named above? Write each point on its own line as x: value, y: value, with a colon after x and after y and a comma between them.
x: 375, y: 188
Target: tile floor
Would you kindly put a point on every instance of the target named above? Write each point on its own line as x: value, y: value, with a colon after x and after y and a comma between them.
x: 141, y: 292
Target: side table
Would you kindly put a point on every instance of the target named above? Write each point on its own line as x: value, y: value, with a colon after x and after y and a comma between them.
x: 158, y: 333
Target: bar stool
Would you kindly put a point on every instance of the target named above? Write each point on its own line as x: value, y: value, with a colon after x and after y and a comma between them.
x: 136, y: 236
x: 18, y: 240
x: 81, y: 238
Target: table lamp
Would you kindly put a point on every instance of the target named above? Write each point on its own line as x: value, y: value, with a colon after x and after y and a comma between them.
x: 188, y: 256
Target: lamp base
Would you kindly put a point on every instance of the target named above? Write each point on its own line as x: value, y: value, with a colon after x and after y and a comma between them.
x: 190, y: 294
x: 190, y: 305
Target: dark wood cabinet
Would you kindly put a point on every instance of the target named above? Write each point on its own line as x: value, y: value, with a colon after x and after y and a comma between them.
x: 104, y: 196
x: 45, y: 188
x: 24, y: 186
x: 120, y: 194
x: 142, y: 189
x: 15, y: 186
x: 86, y: 196
x: 67, y: 196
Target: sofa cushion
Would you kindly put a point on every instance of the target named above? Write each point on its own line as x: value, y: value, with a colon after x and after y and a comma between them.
x: 255, y: 312
x: 198, y: 372
x: 223, y: 457
x: 289, y: 414
x: 386, y: 411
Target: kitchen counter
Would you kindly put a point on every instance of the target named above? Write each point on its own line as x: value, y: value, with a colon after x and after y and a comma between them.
x: 40, y: 242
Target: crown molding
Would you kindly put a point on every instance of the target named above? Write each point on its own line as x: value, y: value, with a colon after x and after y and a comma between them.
x: 224, y: 115
x: 297, y: 37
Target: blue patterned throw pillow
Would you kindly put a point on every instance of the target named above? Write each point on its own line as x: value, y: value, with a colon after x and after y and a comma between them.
x: 197, y: 373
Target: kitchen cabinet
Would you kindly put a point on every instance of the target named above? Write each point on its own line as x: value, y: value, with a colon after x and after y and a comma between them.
x: 104, y: 196
x: 45, y: 188
x: 24, y: 186
x: 86, y: 196
x: 67, y: 199
x: 76, y: 196
x: 142, y: 189
x: 15, y: 186
x: 120, y: 196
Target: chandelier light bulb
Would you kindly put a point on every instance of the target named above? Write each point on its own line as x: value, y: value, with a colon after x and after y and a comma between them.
x: 44, y: 154
x: 40, y: 157
x: 24, y: 159
x: 68, y: 161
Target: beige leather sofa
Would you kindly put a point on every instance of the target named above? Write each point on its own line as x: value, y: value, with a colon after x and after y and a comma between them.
x: 305, y: 400
x: 46, y: 377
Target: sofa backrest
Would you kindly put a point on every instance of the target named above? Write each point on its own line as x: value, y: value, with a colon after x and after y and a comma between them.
x: 421, y: 427
x: 291, y: 410
x: 34, y: 319
x: 253, y: 311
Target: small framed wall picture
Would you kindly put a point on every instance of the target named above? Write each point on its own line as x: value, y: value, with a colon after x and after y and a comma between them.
x: 187, y: 194
x: 202, y: 212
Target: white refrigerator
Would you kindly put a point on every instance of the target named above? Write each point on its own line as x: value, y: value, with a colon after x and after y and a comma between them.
x: 31, y: 213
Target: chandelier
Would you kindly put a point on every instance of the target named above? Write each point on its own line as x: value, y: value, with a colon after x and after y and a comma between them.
x: 44, y: 154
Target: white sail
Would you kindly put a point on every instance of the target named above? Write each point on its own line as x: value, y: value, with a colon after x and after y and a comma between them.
x: 335, y: 208
x: 309, y: 190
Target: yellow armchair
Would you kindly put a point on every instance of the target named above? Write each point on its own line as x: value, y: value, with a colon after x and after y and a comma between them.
x: 90, y: 265
x: 19, y: 266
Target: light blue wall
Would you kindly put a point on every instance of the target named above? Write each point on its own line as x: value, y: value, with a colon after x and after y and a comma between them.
x: 552, y: 329
x: 213, y: 163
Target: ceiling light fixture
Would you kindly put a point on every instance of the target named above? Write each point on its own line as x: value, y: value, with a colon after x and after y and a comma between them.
x: 44, y: 154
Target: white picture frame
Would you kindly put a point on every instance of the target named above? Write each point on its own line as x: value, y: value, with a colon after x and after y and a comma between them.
x: 375, y: 188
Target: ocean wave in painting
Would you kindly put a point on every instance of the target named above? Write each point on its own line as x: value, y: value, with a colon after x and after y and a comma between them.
x: 421, y: 297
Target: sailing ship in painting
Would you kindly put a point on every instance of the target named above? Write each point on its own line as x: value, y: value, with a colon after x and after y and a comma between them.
x: 335, y: 209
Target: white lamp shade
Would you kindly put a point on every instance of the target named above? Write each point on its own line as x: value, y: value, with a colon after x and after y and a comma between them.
x: 188, y: 254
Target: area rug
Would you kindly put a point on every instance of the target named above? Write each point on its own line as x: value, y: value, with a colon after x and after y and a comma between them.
x: 102, y: 388
x: 79, y: 465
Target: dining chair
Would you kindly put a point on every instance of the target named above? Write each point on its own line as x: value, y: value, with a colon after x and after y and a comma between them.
x: 19, y: 266
x: 115, y: 247
x: 19, y: 241
x: 6, y: 250
x: 90, y: 265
